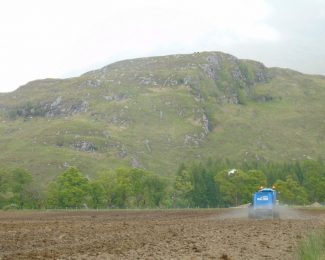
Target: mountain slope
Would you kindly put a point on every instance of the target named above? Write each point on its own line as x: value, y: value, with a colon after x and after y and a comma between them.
x: 158, y: 112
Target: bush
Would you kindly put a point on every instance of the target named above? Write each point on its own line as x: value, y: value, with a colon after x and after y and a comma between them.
x: 10, y: 207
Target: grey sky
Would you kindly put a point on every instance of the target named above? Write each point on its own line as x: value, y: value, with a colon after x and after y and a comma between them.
x: 42, y: 38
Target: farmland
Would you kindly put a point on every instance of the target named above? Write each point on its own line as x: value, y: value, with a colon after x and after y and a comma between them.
x: 153, y: 234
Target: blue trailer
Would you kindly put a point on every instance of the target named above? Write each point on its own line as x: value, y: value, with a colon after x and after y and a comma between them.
x: 264, y: 204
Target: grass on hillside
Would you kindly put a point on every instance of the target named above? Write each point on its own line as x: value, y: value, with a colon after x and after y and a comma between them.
x: 160, y: 123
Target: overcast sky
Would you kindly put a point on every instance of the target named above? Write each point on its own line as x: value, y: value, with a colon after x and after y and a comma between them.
x: 64, y: 38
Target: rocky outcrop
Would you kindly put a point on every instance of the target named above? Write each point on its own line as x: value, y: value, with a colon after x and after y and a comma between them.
x: 264, y: 98
x: 50, y: 109
x: 84, y: 146
x: 135, y: 163
x: 196, y: 139
x: 115, y: 97
x: 90, y: 83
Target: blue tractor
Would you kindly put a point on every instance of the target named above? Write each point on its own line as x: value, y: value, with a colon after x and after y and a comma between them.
x: 264, y: 204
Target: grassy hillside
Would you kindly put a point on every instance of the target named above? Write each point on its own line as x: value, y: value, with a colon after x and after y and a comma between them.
x: 158, y: 112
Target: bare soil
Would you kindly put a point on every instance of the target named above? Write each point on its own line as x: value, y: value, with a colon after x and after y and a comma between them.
x: 153, y: 234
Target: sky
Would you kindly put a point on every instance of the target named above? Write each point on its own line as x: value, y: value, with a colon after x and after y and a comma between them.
x: 66, y: 38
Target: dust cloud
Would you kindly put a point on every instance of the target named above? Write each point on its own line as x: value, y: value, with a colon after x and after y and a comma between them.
x: 285, y: 212
x: 234, y: 213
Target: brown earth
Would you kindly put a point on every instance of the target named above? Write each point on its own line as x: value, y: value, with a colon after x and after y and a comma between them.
x: 153, y: 234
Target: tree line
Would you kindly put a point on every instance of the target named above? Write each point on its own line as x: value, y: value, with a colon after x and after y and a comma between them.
x: 121, y: 188
x: 215, y: 183
x: 226, y: 183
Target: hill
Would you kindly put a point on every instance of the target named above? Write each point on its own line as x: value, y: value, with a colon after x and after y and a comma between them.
x: 160, y: 111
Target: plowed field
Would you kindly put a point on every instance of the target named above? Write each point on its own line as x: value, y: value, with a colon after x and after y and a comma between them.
x: 153, y: 234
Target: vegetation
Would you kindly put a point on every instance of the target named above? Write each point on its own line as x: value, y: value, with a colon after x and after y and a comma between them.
x: 68, y: 190
x: 211, y: 184
x: 312, y: 248
x: 225, y: 183
x: 18, y: 190
x: 153, y: 113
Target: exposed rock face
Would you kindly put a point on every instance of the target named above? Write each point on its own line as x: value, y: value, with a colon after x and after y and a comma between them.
x: 192, y: 140
x: 230, y: 99
x: 135, y: 163
x: 196, y: 139
x: 78, y: 107
x: 123, y: 152
x: 56, y: 108
x: 205, y: 124
x: 84, y: 146
x: 56, y: 102
x: 91, y: 84
x: 264, y: 98
x: 115, y: 97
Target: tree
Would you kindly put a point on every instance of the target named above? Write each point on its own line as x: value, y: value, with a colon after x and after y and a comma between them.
x: 236, y: 186
x: 97, y: 198
x: 183, y: 187
x: 131, y: 188
x: 5, y: 194
x: 123, y: 189
x: 291, y: 192
x: 232, y: 186
x: 69, y: 189
x: 34, y: 196
x: 314, y: 180
x: 19, y: 181
x: 154, y: 191
x: 107, y: 180
x: 255, y: 179
x: 211, y: 189
x: 198, y: 194
x: 138, y: 179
